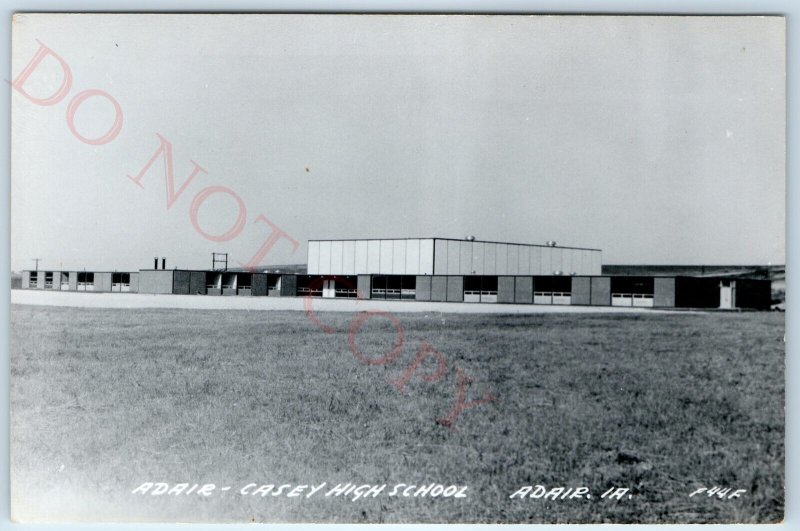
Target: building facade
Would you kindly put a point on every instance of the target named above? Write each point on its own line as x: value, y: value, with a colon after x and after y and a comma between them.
x: 441, y: 256
x: 434, y: 269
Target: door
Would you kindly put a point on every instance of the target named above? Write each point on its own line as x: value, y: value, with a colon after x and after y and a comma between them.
x: 328, y: 289
x: 726, y: 297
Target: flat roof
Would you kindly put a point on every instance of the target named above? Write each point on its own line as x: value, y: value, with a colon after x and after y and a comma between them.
x: 73, y: 271
x: 457, y: 240
x: 201, y: 270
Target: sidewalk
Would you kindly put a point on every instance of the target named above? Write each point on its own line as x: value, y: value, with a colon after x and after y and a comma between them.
x: 205, y: 302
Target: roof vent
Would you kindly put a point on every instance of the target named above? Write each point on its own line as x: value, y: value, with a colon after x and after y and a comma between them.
x: 551, y: 243
x: 470, y: 238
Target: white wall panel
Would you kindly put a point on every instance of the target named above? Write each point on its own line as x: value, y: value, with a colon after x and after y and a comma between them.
x: 337, y: 252
x: 566, y: 261
x: 540, y: 260
x: 374, y: 256
x: 313, y: 258
x: 478, y: 258
x: 586, y: 263
x: 597, y: 263
x: 361, y: 257
x: 412, y: 257
x: 525, y: 260
x: 513, y: 260
x: 574, y: 261
x: 386, y: 257
x: 426, y: 257
x: 502, y: 259
x: 465, y: 258
x: 440, y: 257
x: 399, y: 257
x: 490, y: 258
x: 324, y: 258
x: 453, y: 256
x: 558, y: 259
x: 349, y: 257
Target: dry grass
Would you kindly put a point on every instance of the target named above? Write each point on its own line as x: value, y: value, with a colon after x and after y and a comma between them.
x: 104, y: 400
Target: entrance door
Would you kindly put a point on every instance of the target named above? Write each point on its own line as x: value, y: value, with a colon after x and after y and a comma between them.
x: 726, y: 297
x: 328, y: 289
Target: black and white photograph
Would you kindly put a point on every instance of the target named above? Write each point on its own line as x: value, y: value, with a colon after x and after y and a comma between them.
x: 397, y: 268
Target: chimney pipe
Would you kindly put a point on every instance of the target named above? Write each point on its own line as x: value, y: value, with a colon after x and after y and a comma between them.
x: 163, y: 263
x: 155, y: 263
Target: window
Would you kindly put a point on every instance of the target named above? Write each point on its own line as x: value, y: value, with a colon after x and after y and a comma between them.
x: 229, y: 281
x: 345, y: 287
x: 408, y: 287
x: 214, y: 280
x: 552, y: 289
x: 309, y: 286
x: 85, y: 281
x: 394, y: 284
x: 120, y: 281
x: 488, y: 285
x: 378, y: 287
x: 244, y: 280
x: 632, y: 291
x: 273, y: 282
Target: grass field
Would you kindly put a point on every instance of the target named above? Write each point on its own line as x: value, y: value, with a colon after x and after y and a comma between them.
x: 106, y: 399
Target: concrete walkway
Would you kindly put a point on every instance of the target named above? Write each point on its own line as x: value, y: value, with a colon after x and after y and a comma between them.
x: 201, y: 302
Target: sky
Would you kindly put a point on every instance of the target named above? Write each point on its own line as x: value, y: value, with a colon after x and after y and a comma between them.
x: 660, y: 140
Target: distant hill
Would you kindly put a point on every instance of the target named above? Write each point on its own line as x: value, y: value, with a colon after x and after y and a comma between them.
x: 776, y: 272
x: 291, y: 269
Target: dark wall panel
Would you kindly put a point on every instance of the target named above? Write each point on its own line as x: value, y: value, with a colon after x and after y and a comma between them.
x: 258, y: 287
x: 288, y: 285
x: 152, y: 281
x: 696, y: 292
x: 364, y: 285
x: 423, y: 288
x: 455, y: 289
x: 754, y: 294
x: 438, y: 288
x: 523, y: 290
x: 581, y: 290
x: 505, y: 289
x: 440, y: 257
x: 102, y: 281
x: 641, y: 285
x: 601, y: 291
x: 181, y: 282
x: 664, y: 292
x: 197, y: 283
